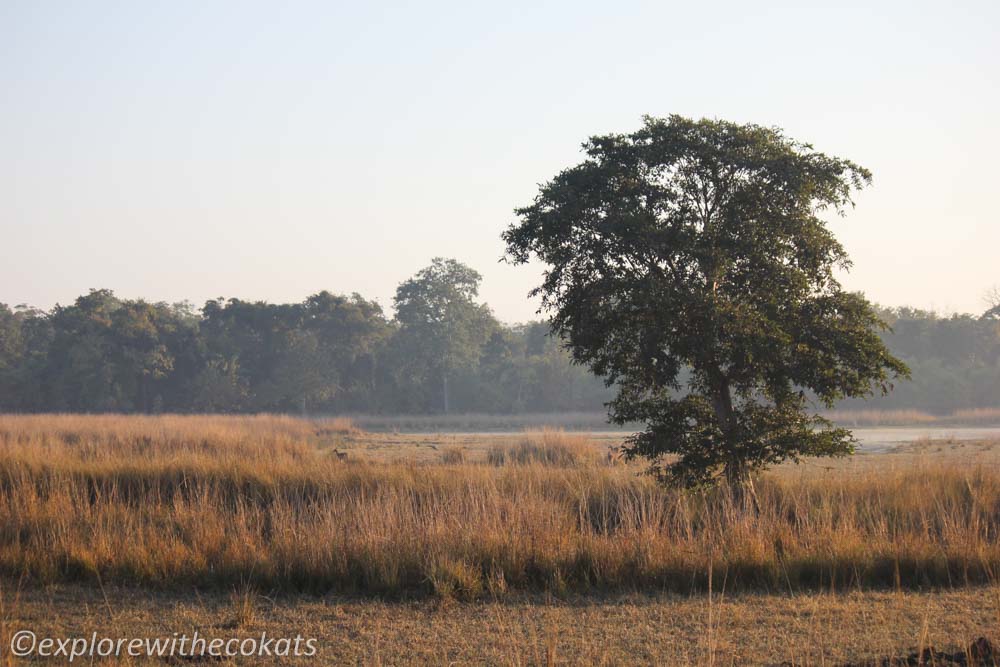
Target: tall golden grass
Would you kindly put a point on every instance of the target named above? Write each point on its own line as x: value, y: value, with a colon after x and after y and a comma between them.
x: 549, y: 446
x: 223, y: 501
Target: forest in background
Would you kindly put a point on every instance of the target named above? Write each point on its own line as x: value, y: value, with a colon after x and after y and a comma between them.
x: 440, y: 352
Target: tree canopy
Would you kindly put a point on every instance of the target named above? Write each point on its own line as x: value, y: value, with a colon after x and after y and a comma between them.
x: 688, y: 264
x: 441, y: 324
x: 333, y: 353
x: 329, y: 353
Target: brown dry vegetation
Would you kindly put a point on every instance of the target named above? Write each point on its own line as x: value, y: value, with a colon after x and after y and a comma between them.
x: 629, y: 629
x: 549, y: 447
x: 966, y: 417
x: 882, y: 417
x: 224, y: 501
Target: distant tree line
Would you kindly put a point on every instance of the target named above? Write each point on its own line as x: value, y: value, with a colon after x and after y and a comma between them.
x: 954, y: 360
x: 442, y: 351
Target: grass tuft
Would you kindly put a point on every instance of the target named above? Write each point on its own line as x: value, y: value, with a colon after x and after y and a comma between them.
x: 548, y: 447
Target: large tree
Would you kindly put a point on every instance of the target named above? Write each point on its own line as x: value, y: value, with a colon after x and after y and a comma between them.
x: 689, y: 264
x: 442, y: 327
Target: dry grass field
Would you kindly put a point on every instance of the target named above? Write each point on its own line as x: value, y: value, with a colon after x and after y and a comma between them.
x: 528, y: 548
x: 857, y: 628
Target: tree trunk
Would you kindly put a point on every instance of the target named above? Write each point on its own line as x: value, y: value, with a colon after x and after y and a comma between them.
x: 722, y: 404
x: 737, y: 472
x: 740, y: 481
x: 738, y: 476
x: 445, y: 392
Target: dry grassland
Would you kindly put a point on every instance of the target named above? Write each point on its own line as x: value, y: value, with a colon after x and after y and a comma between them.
x: 516, y: 549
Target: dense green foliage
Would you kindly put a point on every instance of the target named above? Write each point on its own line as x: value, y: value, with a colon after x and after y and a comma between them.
x: 441, y: 328
x: 333, y: 354
x: 327, y: 354
x: 954, y: 361
x: 700, y: 246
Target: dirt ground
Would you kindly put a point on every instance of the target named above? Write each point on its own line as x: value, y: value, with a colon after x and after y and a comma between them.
x: 814, y: 629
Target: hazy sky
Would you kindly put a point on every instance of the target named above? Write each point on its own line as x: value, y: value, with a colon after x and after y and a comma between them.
x: 188, y: 150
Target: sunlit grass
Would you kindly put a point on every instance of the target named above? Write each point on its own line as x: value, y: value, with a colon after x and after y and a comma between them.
x: 226, y: 501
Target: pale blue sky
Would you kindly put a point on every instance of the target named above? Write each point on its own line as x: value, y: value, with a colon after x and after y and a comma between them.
x: 177, y: 150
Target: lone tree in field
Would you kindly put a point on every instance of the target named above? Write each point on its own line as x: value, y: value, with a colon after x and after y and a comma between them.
x: 688, y: 263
